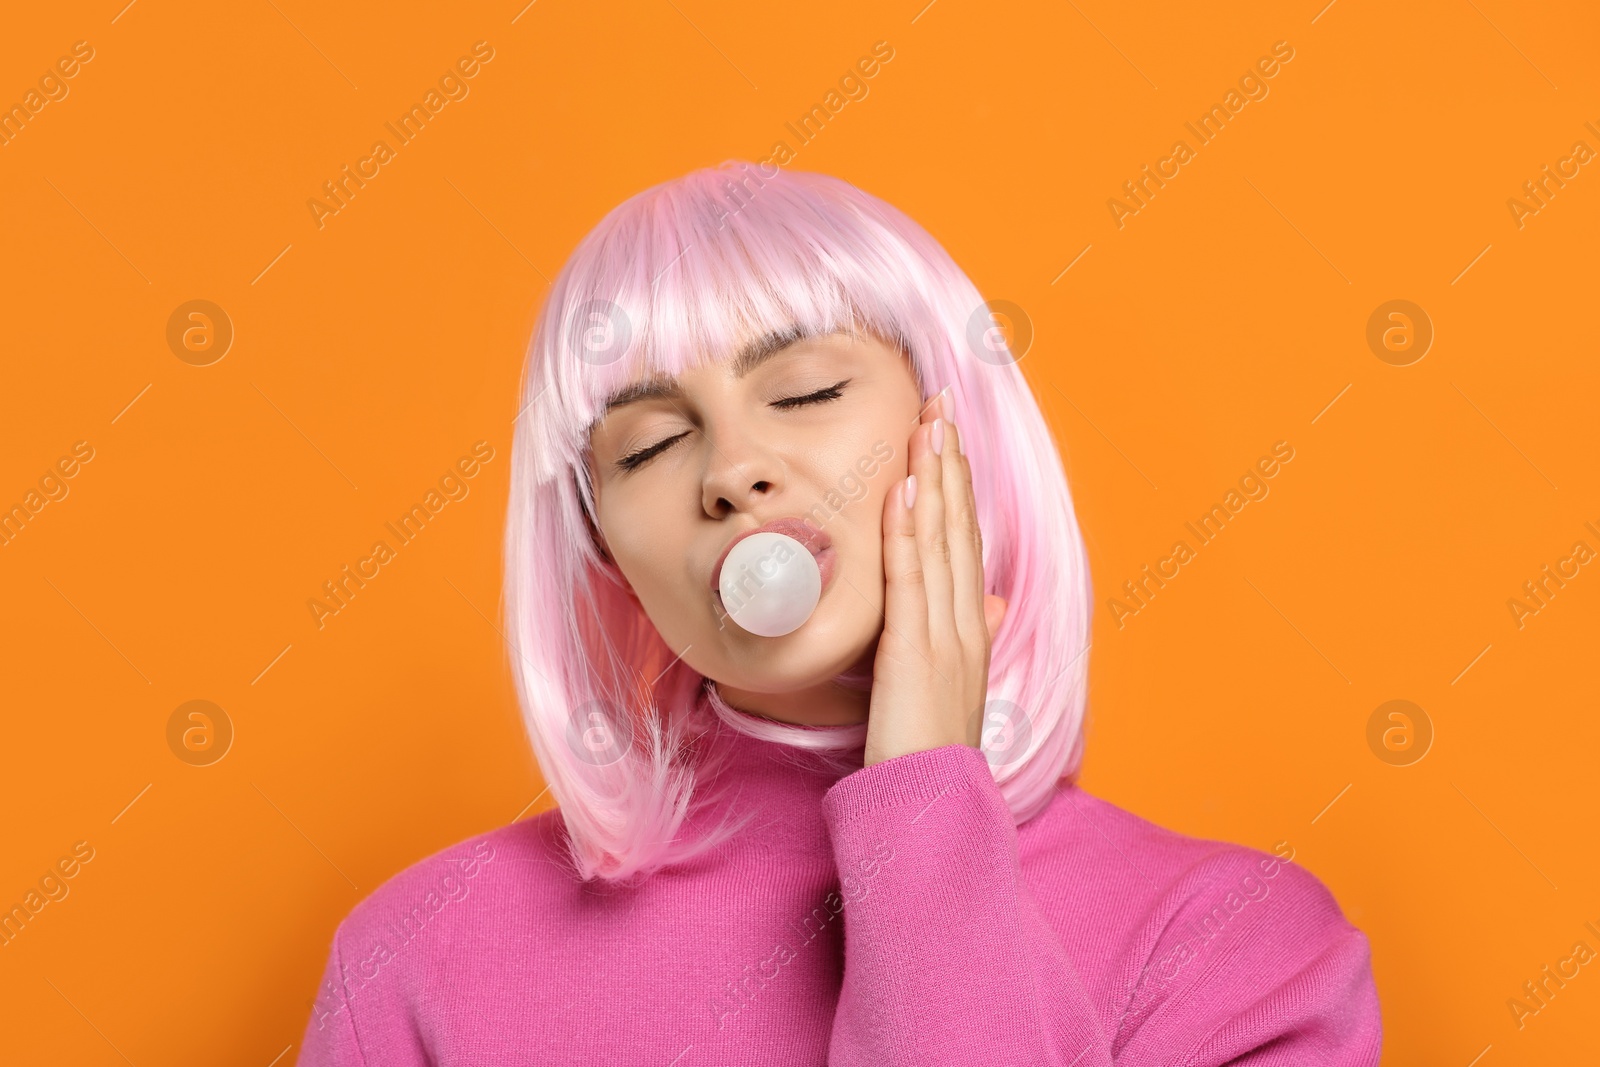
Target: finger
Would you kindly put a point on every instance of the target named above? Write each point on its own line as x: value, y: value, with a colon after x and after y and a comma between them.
x: 966, y: 542
x: 933, y: 539
x: 994, y: 613
x: 905, y: 606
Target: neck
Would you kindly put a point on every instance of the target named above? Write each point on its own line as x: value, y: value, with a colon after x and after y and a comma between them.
x: 828, y: 703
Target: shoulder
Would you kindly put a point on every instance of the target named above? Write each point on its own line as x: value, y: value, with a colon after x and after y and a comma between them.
x: 1119, y: 846
x: 389, y: 952
x: 461, y: 882
x: 1192, y: 912
x: 1179, y: 897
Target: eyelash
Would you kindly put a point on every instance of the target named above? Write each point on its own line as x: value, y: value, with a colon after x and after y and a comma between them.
x: 634, y: 460
x: 832, y: 392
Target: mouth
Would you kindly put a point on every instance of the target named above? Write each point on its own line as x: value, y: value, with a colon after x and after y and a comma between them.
x: 814, y: 538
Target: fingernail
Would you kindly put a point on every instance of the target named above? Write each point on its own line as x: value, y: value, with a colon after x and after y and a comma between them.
x: 910, y: 493
x: 938, y: 436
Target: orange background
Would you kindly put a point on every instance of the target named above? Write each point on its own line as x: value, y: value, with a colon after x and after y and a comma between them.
x: 371, y: 353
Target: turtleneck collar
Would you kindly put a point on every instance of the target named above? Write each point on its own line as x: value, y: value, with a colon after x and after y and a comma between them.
x: 782, y: 783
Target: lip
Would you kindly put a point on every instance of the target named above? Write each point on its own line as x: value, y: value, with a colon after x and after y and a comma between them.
x: 813, y: 537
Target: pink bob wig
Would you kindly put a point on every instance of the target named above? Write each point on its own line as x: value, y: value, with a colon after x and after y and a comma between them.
x: 680, y: 276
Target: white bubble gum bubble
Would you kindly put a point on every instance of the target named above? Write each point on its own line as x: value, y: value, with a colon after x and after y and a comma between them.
x: 770, y: 584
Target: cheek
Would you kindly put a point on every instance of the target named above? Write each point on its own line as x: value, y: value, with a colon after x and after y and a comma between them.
x: 655, y: 572
x: 641, y: 549
x: 893, y: 470
x: 861, y: 521
x: 652, y: 550
x: 889, y: 478
x: 858, y: 530
x: 645, y: 561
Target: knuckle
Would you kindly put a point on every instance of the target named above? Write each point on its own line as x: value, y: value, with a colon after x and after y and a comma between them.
x: 967, y: 518
x: 910, y: 575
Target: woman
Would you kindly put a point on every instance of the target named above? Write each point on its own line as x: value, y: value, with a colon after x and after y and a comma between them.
x: 859, y: 842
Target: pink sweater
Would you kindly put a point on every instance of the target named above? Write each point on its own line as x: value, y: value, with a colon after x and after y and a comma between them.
x: 894, y: 915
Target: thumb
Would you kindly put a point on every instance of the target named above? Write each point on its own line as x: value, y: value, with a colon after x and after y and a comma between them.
x: 994, y: 613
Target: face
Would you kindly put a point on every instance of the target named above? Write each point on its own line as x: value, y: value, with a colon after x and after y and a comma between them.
x: 816, y: 431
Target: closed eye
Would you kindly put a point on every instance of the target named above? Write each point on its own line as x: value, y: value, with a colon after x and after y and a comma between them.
x: 636, y: 459
x: 832, y: 392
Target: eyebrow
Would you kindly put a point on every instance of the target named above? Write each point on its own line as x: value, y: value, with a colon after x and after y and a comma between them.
x: 751, y: 356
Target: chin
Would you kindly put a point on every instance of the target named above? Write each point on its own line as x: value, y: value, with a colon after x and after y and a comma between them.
x: 813, y: 655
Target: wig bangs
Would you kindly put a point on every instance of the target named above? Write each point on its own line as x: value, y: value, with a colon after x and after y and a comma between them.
x: 684, y: 275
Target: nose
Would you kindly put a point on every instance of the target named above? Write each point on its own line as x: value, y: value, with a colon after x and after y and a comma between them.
x: 741, y: 471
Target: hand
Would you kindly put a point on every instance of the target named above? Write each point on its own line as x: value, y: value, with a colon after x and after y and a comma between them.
x: 931, y: 674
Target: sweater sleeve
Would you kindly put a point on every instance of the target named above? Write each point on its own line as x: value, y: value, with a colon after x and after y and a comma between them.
x: 949, y: 959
